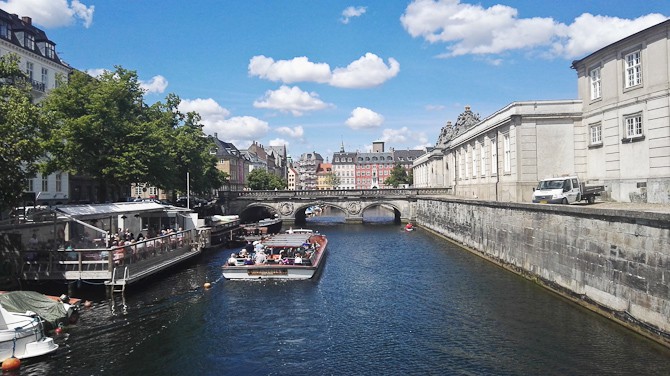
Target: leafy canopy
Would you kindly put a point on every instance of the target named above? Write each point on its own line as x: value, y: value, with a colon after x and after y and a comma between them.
x: 21, y: 144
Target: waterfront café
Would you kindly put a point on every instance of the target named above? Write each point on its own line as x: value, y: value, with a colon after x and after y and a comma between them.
x: 82, y: 243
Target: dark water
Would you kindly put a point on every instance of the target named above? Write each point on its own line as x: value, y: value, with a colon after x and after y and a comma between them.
x: 387, y: 303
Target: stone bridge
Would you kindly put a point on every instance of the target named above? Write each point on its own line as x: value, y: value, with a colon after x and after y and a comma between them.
x: 291, y: 205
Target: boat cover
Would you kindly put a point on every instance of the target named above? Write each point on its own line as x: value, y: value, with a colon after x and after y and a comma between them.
x: 22, y: 301
x: 287, y: 240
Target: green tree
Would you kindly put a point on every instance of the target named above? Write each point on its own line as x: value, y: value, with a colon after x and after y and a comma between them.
x: 20, y: 132
x: 101, y: 127
x: 259, y: 179
x: 398, y: 176
x: 332, y: 180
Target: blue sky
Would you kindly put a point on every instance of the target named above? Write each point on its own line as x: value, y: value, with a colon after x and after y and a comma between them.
x: 313, y: 74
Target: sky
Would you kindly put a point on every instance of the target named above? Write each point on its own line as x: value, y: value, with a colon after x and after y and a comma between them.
x: 315, y: 75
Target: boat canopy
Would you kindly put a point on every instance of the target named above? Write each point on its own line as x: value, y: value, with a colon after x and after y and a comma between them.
x: 287, y: 240
x: 22, y: 301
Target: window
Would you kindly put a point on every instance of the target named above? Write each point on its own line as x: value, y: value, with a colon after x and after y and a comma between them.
x: 45, y: 183
x: 29, y: 69
x: 633, y: 69
x: 507, y: 154
x: 31, y: 186
x: 467, y: 165
x: 59, y: 182
x: 494, y: 156
x: 5, y: 30
x: 596, y: 132
x: 50, y: 51
x: 474, y: 160
x: 29, y: 41
x: 482, y: 158
x: 595, y: 83
x: 634, y: 126
x: 45, y: 76
x: 138, y: 190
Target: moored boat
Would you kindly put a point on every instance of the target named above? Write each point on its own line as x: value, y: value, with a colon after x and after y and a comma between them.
x: 296, y: 254
x: 222, y: 229
x: 267, y: 226
x: 53, y: 310
x: 22, y: 336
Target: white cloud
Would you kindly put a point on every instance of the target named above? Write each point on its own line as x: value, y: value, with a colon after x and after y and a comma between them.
x: 279, y: 142
x: 96, y: 72
x: 403, y: 136
x: 51, y: 13
x: 289, y: 71
x: 237, y: 128
x: 368, y: 71
x: 589, y: 33
x: 157, y: 84
x: 473, y: 29
x: 295, y: 132
x: 363, y: 118
x: 208, y: 109
x: 351, y: 12
x: 240, y: 130
x: 291, y: 99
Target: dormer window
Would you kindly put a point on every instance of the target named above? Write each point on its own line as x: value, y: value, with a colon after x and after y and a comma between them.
x: 50, y: 50
x: 28, y: 41
x: 5, y: 30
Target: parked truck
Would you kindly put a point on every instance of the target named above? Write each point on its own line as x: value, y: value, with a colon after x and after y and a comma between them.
x: 565, y: 190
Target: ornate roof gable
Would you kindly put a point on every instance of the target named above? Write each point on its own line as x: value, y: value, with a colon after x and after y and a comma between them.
x: 465, y: 121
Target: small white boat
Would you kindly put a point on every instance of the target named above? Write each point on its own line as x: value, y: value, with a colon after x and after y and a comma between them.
x: 296, y: 254
x: 22, y: 336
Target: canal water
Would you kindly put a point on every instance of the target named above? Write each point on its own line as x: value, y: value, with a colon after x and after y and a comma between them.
x: 387, y: 302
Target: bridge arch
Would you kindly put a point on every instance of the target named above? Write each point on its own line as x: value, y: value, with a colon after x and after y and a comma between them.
x: 254, y: 212
x: 397, y: 213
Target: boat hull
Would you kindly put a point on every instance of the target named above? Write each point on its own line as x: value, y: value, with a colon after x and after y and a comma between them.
x: 22, y: 336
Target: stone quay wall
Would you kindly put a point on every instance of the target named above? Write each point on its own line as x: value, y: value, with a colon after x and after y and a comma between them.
x: 615, y: 262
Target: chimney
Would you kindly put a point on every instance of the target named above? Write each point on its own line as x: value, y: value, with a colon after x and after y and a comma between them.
x: 27, y: 20
x: 216, y: 135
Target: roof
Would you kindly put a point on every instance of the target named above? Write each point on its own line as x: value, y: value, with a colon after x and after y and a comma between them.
x: 117, y: 208
x: 24, y: 24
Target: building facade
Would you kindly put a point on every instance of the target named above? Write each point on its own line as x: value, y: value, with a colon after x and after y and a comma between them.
x: 617, y: 133
x: 624, y: 139
x: 344, y: 167
x: 44, y: 70
x: 292, y: 179
x: 307, y: 167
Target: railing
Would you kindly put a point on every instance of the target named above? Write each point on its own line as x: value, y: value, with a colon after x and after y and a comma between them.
x: 400, y: 192
x: 99, y: 262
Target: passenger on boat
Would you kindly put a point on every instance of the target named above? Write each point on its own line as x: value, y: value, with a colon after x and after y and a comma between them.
x: 243, y: 252
x: 298, y: 259
x: 249, y: 247
x: 260, y: 257
x: 232, y: 261
x: 248, y: 261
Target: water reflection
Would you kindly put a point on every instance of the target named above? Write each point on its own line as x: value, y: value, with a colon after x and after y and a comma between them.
x: 324, y: 214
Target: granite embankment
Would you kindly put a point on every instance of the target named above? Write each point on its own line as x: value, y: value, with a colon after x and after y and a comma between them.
x: 612, y: 258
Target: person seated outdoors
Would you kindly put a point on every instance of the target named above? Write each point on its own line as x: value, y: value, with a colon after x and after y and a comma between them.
x: 248, y: 261
x: 261, y: 258
x: 298, y: 259
x: 243, y: 253
x: 232, y: 261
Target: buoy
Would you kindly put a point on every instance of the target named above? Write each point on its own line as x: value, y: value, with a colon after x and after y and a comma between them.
x: 11, y: 364
x: 207, y: 285
x: 58, y: 330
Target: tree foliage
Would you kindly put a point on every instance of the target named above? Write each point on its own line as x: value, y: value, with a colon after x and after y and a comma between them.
x: 398, y: 176
x: 332, y: 180
x: 20, y: 132
x: 259, y: 179
x: 102, y: 128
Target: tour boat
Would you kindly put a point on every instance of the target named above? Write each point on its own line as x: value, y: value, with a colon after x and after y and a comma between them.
x: 296, y: 254
x: 222, y: 229
x: 265, y: 226
x: 22, y: 336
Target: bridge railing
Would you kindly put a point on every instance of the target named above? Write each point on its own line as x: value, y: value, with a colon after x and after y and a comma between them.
x: 404, y: 192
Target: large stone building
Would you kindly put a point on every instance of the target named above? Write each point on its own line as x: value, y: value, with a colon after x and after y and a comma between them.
x: 233, y: 162
x: 307, y: 166
x: 44, y: 69
x: 617, y: 134
x: 344, y: 167
x: 624, y: 140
